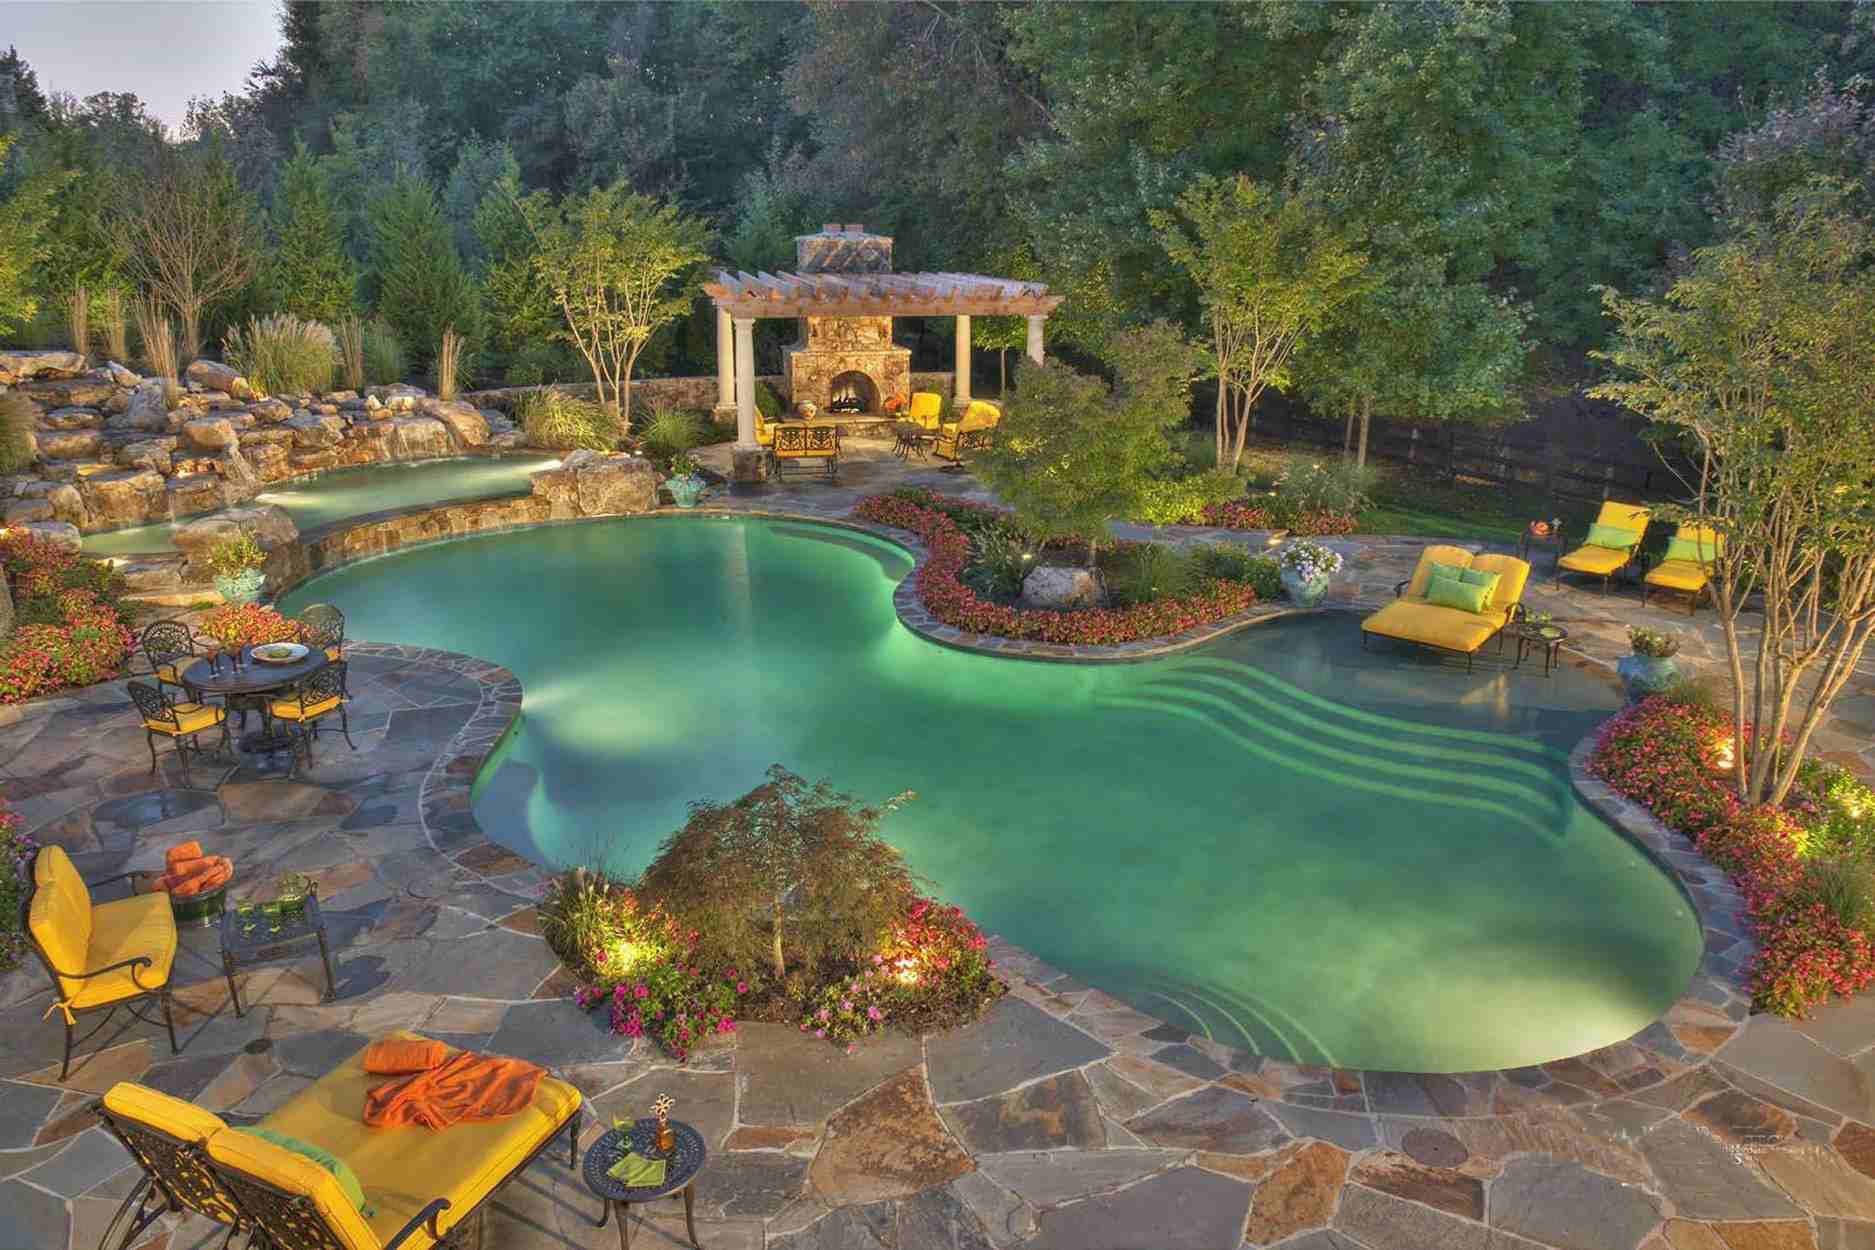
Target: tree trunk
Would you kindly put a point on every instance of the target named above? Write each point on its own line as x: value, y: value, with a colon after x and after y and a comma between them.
x: 1367, y: 417
x: 1002, y: 373
x: 1222, y: 419
x: 1347, y: 435
x: 781, y: 968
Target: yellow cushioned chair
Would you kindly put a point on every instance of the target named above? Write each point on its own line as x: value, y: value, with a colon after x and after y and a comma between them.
x: 319, y: 696
x: 420, y: 1183
x: 764, y: 430
x: 1690, y: 577
x: 101, y: 956
x: 971, y: 432
x: 181, y: 723
x: 167, y: 1138
x: 1605, y: 562
x: 1412, y: 618
x: 926, y: 408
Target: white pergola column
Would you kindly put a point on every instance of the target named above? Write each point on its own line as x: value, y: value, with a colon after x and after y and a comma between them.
x: 1035, y: 338
x: 745, y: 384
x: 725, y: 360
x: 961, y: 387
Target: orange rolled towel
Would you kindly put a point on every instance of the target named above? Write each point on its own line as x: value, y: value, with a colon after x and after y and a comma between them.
x: 197, y: 876
x: 467, y: 1087
x: 181, y: 854
x: 395, y: 1056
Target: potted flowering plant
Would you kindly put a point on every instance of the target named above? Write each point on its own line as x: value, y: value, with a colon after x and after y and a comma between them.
x: 236, y: 562
x: 685, y: 484
x: 1650, y: 669
x: 1305, y: 568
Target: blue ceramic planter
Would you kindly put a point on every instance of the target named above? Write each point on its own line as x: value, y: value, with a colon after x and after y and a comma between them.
x: 686, y: 491
x: 242, y: 587
x: 1304, y: 594
x: 1644, y: 675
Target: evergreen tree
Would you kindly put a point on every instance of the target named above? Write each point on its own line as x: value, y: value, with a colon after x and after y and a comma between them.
x: 421, y: 285
x: 309, y: 273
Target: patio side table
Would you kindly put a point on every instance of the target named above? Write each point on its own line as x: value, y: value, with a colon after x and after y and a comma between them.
x: 1548, y: 637
x: 683, y: 1163
x: 245, y: 935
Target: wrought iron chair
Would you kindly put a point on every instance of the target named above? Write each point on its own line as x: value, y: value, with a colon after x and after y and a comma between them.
x: 319, y: 696
x: 324, y: 626
x: 181, y: 723
x: 98, y: 957
x: 166, y: 1136
x: 168, y: 647
x: 796, y: 443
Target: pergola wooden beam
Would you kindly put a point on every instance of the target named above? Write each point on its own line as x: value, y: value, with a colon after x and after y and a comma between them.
x: 881, y: 294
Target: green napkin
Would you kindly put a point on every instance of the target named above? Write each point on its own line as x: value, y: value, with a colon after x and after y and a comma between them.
x: 636, y: 1171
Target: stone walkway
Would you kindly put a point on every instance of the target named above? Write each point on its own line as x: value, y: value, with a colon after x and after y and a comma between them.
x: 1062, y: 1119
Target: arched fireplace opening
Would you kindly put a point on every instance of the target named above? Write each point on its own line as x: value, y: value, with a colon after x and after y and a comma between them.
x: 852, y: 393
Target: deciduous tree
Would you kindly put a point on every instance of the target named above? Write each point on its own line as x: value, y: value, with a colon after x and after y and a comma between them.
x: 190, y: 235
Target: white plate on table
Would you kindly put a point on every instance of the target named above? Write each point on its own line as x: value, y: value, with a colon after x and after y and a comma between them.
x: 279, y: 652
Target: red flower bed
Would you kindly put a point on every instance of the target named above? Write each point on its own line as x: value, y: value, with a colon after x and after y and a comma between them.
x: 1236, y: 514
x: 945, y: 596
x: 249, y: 625
x: 89, y: 645
x: 1659, y: 754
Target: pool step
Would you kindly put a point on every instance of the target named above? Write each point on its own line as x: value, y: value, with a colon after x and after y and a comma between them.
x: 1234, y: 1018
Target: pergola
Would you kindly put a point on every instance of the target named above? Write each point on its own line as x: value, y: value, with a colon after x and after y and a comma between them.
x: 740, y: 298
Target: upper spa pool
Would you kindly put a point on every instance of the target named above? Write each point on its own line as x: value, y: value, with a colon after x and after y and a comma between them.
x: 340, y: 494
x: 1362, y: 859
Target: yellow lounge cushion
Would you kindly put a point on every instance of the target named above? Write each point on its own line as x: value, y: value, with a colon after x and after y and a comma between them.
x: 60, y: 916
x: 1413, y: 620
x: 190, y: 718
x: 290, y: 709
x: 296, y: 1174
x: 925, y: 409
x: 1598, y: 560
x: 182, y: 1120
x: 1626, y: 516
x: 333, y: 653
x: 1512, y: 576
x: 1678, y: 575
x: 142, y: 924
x: 402, y: 1169
x: 1452, y: 557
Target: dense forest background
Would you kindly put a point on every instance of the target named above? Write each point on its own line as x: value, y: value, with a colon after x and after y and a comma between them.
x: 1521, y: 153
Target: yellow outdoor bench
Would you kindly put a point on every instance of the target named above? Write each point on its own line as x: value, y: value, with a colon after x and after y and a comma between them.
x: 798, y: 442
x: 1605, y: 560
x: 1411, y: 617
x: 1689, y: 577
x: 926, y: 408
x: 420, y: 1185
x: 99, y: 956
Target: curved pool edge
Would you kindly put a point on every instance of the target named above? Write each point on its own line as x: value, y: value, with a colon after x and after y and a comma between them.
x: 1710, y: 1010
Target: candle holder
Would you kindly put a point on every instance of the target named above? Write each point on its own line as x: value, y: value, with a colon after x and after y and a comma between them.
x: 666, y: 1140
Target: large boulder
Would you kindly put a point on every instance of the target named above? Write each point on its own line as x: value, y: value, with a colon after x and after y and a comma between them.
x: 69, y: 506
x: 148, y: 408
x: 267, y: 525
x: 194, y: 493
x: 20, y: 511
x: 215, y: 376
x: 120, y: 375
x: 271, y: 410
x: 88, y: 392
x: 419, y: 438
x: 63, y: 533
x: 270, y: 461
x: 313, y: 433
x: 18, y: 366
x: 210, y: 433
x: 127, y: 497
x: 468, y: 425
x: 1057, y: 586
x: 67, y: 444
x: 398, y: 396
x: 72, y: 418
x: 590, y: 483
x: 149, y: 453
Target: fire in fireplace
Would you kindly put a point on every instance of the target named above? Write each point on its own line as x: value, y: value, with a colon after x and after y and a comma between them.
x: 852, y: 393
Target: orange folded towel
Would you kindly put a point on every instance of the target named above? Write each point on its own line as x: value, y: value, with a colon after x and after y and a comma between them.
x: 197, y: 875
x: 466, y: 1087
x: 182, y: 853
x: 395, y: 1056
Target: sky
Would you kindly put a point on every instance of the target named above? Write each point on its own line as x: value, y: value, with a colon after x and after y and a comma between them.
x: 164, y: 51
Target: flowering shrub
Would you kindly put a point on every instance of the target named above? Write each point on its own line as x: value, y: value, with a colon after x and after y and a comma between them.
x: 1662, y: 753
x: 35, y: 563
x: 1309, y: 561
x: 671, y: 1001
x: 16, y: 851
x: 1172, y: 501
x: 946, y: 596
x: 1658, y: 643
x: 1269, y: 513
x: 249, y: 625
x: 87, y: 644
x: 933, y: 971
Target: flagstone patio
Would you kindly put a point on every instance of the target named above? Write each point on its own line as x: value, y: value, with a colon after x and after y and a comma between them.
x: 1064, y: 1118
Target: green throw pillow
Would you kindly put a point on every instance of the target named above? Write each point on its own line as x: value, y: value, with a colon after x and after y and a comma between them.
x: 1450, y: 572
x: 1689, y: 549
x: 1611, y: 536
x: 341, y: 1171
x: 1478, y: 577
x: 1449, y: 592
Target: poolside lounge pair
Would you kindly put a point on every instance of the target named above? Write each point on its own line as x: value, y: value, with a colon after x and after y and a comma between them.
x: 1614, y: 542
x: 1488, y: 597
x: 421, y: 1187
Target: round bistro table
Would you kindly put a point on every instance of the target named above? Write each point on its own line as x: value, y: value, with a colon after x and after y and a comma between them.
x: 254, y: 683
x: 680, y: 1172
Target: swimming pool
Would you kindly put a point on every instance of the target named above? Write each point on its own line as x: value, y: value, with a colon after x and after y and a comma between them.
x: 1371, y: 860
x: 339, y: 494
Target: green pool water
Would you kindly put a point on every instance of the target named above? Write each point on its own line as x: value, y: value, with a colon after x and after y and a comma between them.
x: 1366, y: 859
x: 343, y: 493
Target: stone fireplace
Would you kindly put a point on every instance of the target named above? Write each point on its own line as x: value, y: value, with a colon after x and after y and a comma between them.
x: 846, y: 366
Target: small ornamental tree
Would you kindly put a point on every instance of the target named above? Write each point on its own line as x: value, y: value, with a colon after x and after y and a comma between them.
x: 1270, y: 271
x: 309, y: 274
x: 190, y: 235
x: 621, y: 267
x: 1761, y: 362
x: 1072, y: 457
x: 789, y: 870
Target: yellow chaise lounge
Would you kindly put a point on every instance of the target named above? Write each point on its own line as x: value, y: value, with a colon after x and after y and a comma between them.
x: 419, y: 1184
x: 1414, y: 617
x: 1687, y: 564
x: 971, y: 432
x: 1613, y: 538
